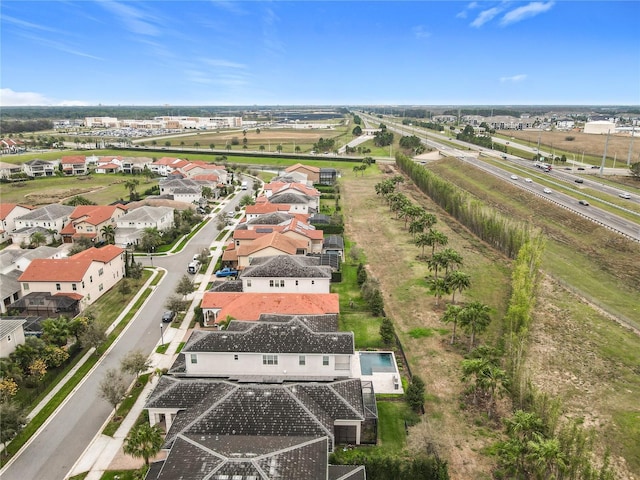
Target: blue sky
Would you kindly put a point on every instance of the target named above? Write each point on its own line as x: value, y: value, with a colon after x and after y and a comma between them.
x: 323, y: 53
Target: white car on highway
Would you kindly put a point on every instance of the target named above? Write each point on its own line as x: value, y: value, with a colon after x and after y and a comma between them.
x: 528, y: 180
x: 547, y: 190
x: 514, y: 177
x: 624, y: 195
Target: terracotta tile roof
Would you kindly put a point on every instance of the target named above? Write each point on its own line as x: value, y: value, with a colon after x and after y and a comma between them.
x: 94, y: 214
x: 74, y: 296
x: 249, y: 306
x: 108, y: 165
x: 253, y: 234
x: 7, y: 208
x: 165, y: 161
x: 303, y: 229
x: 295, y: 167
x: 73, y: 160
x: 68, y: 269
x: 263, y: 208
x: 207, y: 177
x: 274, y: 240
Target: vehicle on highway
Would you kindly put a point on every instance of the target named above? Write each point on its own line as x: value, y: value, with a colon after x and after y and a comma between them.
x: 579, y: 180
x: 168, y: 316
x: 594, y: 166
x: 547, y: 190
x: 583, y: 202
x: 624, y: 195
x: 580, y: 168
x: 514, y: 177
x: 528, y: 180
x: 226, y: 272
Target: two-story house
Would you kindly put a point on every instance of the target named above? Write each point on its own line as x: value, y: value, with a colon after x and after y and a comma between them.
x: 8, y: 214
x: 287, y: 274
x: 39, y: 168
x: 130, y: 227
x: 49, y: 220
x: 74, y: 165
x: 266, y: 245
x: 85, y: 276
x: 310, y: 172
x: 89, y: 221
x: 167, y: 165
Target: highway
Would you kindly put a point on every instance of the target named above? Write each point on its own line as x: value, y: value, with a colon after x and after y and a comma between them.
x: 55, y: 448
x: 559, y: 177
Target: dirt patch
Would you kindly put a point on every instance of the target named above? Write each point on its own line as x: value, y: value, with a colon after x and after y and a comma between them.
x: 46, y: 197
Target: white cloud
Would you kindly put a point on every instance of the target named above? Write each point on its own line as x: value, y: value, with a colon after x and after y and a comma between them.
x: 214, y: 62
x: 134, y: 19
x: 485, y: 16
x: 11, y: 98
x: 29, y: 25
x: 514, y: 78
x: 527, y: 11
x: 464, y: 13
x: 420, y: 32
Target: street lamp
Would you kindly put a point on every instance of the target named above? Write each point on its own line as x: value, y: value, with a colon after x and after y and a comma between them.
x: 161, y: 334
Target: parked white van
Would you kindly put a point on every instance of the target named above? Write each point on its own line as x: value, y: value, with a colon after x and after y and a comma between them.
x: 193, y: 267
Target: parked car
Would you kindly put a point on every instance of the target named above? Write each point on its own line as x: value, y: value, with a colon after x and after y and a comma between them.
x: 547, y: 190
x: 168, y: 316
x: 193, y: 267
x: 583, y: 202
x: 624, y: 195
x: 579, y: 180
x: 514, y: 177
x: 227, y: 272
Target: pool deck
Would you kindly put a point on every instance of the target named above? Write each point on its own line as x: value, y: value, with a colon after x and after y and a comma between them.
x: 383, y: 382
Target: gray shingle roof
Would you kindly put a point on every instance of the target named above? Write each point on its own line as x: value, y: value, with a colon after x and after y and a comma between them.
x: 286, y: 266
x: 9, y: 326
x: 347, y: 472
x: 287, y: 197
x: 145, y: 214
x: 275, y: 218
x: 293, y: 336
x: 48, y: 212
x: 317, y: 323
x: 226, y: 286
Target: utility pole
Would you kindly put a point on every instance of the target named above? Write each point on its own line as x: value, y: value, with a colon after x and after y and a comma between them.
x: 633, y: 132
x: 604, y: 155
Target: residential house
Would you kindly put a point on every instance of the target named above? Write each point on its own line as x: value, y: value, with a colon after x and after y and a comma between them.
x: 184, y: 189
x: 166, y: 165
x: 11, y: 145
x: 39, y: 168
x: 109, y: 165
x: 267, y: 245
x: 328, y: 176
x: 219, y: 429
x: 49, y: 220
x: 88, y: 221
x: 74, y: 165
x: 198, y: 169
x: 248, y: 306
x: 286, y: 273
x: 8, y: 169
x: 8, y: 214
x: 270, y: 352
x: 134, y: 165
x: 85, y: 276
x: 11, y: 335
x: 303, y: 199
x: 312, y: 173
x: 130, y: 227
x: 10, y: 290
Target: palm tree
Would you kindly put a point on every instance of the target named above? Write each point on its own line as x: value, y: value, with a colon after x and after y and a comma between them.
x: 131, y: 185
x: 436, y: 238
x: 452, y: 315
x: 422, y: 240
x: 436, y: 262
x: 38, y: 238
x: 109, y: 234
x: 143, y: 441
x: 197, y: 145
x: 457, y: 281
x: 452, y: 259
x: 279, y: 148
x: 261, y: 148
x: 475, y: 319
x: 212, y: 146
x: 150, y: 238
x: 438, y: 287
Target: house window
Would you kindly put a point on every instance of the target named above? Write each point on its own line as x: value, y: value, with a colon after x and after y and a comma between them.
x: 302, y: 360
x: 100, y: 287
x: 269, y: 359
x: 74, y: 287
x: 248, y: 282
x: 90, y: 278
x: 325, y: 360
x: 313, y: 282
x: 194, y: 358
x: 58, y: 287
x: 271, y: 283
x: 83, y: 284
x: 282, y: 283
x: 297, y: 283
x: 235, y: 357
x: 100, y: 272
x: 25, y: 286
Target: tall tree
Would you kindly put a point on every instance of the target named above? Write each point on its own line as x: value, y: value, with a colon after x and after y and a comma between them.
x: 109, y: 234
x: 452, y: 315
x: 56, y: 330
x: 12, y: 420
x: 436, y: 238
x: 135, y: 363
x: 143, y: 441
x: 457, y: 281
x: 131, y: 186
x: 474, y: 319
x: 185, y: 286
x: 151, y: 239
x: 438, y: 288
x: 38, y: 238
x: 113, y: 387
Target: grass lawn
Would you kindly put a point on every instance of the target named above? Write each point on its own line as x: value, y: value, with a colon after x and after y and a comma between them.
x: 391, y: 424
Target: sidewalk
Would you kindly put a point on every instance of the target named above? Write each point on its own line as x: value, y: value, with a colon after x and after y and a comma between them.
x: 105, y: 452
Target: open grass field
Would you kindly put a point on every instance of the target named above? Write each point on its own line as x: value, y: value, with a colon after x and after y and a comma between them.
x: 591, y: 145
x: 576, y: 353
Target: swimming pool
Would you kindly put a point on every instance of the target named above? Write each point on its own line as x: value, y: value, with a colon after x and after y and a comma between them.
x: 377, y: 362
